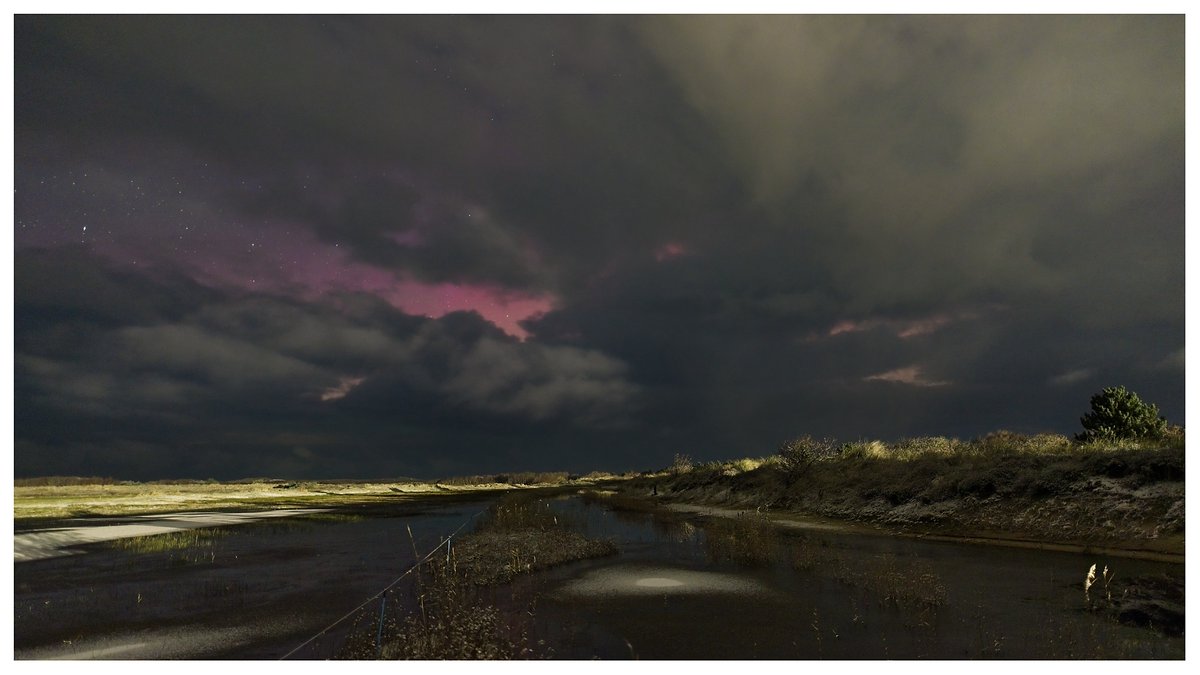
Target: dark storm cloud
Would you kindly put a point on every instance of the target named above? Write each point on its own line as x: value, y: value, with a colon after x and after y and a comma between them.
x: 215, y: 368
x: 748, y: 227
x: 387, y: 220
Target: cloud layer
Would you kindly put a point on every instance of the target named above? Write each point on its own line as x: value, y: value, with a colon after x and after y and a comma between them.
x: 386, y: 245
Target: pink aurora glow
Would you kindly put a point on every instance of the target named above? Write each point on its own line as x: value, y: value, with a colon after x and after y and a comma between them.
x: 910, y: 375
x: 292, y: 261
x: 669, y: 250
x: 902, y: 328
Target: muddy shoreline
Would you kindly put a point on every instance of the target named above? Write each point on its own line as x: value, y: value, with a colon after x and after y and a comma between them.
x: 801, y: 521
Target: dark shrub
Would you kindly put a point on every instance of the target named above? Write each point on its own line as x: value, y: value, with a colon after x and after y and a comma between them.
x: 1115, y: 467
x: 939, y: 490
x: 1157, y: 468
x: 1120, y: 414
x: 796, y: 455
x: 1000, y: 441
x: 1051, y: 480
x: 982, y: 486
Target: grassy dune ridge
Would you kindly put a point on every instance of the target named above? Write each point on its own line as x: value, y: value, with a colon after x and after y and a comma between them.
x: 1043, y: 488
x: 40, y: 499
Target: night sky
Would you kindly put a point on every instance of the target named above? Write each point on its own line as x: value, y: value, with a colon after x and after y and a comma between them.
x: 425, y: 246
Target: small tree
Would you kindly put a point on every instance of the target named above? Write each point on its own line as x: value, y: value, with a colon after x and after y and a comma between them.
x: 796, y: 455
x: 1120, y: 414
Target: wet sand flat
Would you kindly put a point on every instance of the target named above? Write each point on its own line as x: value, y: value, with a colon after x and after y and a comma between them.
x: 55, y: 542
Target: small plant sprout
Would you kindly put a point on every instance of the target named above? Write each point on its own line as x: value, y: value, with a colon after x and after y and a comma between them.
x: 1106, y: 576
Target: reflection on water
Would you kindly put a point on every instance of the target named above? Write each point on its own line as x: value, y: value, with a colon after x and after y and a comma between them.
x: 257, y: 591
x: 682, y: 587
x: 753, y: 591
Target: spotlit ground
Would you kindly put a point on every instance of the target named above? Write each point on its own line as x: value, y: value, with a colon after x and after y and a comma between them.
x: 637, y: 580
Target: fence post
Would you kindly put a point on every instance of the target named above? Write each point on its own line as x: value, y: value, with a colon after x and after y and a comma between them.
x: 379, y: 633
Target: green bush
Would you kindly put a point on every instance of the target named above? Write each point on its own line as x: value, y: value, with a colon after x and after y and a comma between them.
x: 1120, y: 414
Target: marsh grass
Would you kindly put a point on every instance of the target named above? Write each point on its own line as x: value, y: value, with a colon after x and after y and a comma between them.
x: 520, y: 534
x: 521, y: 512
x: 185, y: 547
x: 747, y: 539
x: 183, y: 540
x: 1154, y: 602
x: 332, y: 517
x: 449, y: 615
x: 910, y: 585
x: 200, y: 545
x: 452, y: 620
x: 904, y: 584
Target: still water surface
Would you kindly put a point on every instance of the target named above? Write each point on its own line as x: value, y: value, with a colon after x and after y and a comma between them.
x: 682, y: 587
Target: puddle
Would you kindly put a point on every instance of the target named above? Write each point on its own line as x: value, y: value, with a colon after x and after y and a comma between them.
x: 637, y: 580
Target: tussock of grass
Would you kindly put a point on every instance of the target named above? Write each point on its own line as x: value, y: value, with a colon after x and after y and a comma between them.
x: 183, y: 540
x: 452, y: 622
x: 520, y: 512
x: 745, y: 464
x: 747, y: 539
x: 907, y: 584
x: 494, y: 557
x: 866, y: 450
x: 448, y: 619
x: 521, y: 534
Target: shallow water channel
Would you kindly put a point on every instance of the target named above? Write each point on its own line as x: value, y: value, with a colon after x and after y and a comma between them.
x: 682, y: 586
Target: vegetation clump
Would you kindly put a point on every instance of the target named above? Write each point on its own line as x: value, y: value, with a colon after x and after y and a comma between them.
x: 452, y: 622
x: 798, y: 454
x: 680, y: 465
x: 1119, y: 414
x: 1153, y: 601
x: 521, y: 535
x: 747, y: 539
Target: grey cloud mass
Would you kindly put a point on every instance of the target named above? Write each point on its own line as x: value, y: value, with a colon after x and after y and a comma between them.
x: 955, y: 146
x: 434, y: 244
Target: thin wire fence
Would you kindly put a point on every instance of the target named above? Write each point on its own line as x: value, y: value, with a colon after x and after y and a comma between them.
x: 444, y: 542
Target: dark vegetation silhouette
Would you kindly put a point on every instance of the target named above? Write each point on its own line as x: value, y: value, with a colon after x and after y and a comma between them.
x: 1119, y: 414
